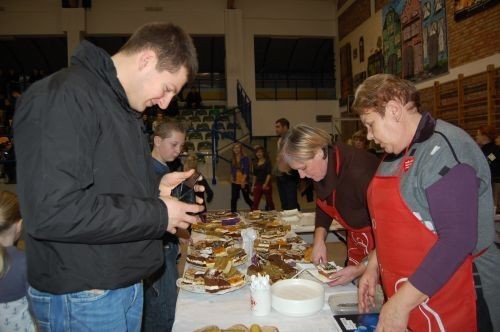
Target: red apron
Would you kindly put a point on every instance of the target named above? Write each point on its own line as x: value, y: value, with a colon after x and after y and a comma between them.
x: 359, y: 241
x: 402, y: 244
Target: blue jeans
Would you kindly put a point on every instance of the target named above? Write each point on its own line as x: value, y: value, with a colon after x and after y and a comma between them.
x: 160, y: 294
x: 93, y: 311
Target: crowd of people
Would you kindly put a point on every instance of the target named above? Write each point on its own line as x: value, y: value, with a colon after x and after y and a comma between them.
x: 103, y: 219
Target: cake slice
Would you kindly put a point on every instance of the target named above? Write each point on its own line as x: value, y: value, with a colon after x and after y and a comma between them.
x: 327, y: 270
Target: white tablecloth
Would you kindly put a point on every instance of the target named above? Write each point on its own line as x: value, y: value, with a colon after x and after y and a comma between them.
x: 304, y: 222
x: 198, y: 310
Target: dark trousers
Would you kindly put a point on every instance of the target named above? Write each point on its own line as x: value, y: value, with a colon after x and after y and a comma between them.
x: 160, y: 294
x: 235, y: 195
x: 287, y: 189
x: 258, y: 190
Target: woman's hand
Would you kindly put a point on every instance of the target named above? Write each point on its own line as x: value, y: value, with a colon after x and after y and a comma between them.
x: 347, y: 274
x: 319, y: 253
x: 396, y: 311
x: 367, y: 285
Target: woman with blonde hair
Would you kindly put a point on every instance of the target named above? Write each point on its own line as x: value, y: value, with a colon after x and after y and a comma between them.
x: 14, y: 314
x: 341, y: 175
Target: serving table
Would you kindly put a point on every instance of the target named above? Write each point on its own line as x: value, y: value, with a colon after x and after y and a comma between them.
x: 195, y: 310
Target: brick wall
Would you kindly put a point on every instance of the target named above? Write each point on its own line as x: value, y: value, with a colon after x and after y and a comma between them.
x: 473, y: 38
x: 356, y: 14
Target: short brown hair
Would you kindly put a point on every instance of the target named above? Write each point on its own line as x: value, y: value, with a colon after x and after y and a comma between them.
x: 172, y: 45
x: 165, y: 128
x: 283, y: 122
x: 377, y: 90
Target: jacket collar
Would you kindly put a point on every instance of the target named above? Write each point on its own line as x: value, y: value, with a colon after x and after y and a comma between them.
x: 99, y: 62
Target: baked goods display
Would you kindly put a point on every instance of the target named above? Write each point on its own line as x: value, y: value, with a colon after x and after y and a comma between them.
x: 239, y: 328
x: 220, y: 279
x: 220, y: 215
x: 219, y: 229
x: 289, y: 249
x: 258, y: 215
x: 274, y: 266
x: 206, y: 257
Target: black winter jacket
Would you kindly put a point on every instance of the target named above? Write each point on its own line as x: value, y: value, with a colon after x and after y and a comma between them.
x: 88, y: 195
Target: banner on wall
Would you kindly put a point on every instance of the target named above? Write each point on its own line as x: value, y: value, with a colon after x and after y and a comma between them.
x: 414, y: 36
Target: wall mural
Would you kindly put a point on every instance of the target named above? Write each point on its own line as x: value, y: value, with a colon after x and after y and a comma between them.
x: 414, y: 36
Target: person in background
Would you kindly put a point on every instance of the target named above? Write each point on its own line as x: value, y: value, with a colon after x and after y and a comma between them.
x: 193, y: 98
x: 158, y: 119
x: 14, y: 313
x: 240, y: 172
x: 93, y: 209
x: 262, y: 170
x: 341, y: 175
x: 160, y: 289
x: 432, y: 214
x: 191, y: 162
x: 485, y: 138
x: 286, y: 181
x: 359, y: 140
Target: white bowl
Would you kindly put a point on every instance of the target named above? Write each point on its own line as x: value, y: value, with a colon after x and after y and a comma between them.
x: 297, y: 297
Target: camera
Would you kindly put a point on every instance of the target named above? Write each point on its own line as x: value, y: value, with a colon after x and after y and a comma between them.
x: 185, y: 190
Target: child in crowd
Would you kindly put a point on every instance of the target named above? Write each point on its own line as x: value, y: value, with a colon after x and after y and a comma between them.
x: 160, y: 290
x: 240, y: 171
x: 262, y: 174
x: 14, y: 314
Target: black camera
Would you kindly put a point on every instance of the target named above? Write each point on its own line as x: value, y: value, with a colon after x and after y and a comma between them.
x: 185, y: 190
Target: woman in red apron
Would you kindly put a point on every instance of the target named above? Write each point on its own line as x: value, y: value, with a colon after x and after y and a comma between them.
x: 341, y: 175
x: 425, y: 203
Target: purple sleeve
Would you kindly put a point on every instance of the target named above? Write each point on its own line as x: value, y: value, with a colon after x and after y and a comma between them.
x: 453, y: 205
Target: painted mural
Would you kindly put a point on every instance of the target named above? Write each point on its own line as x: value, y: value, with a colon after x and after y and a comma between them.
x: 415, y: 38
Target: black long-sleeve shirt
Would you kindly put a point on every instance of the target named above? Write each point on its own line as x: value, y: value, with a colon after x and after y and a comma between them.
x: 357, y: 168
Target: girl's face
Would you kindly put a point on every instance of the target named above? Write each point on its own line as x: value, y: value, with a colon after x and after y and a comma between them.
x: 259, y: 154
x: 237, y: 149
x: 169, y: 148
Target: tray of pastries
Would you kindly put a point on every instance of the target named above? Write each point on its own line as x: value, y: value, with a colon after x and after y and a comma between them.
x: 290, y: 249
x: 223, y: 277
x: 274, y: 266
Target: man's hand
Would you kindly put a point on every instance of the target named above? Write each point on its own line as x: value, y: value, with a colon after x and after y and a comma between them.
x: 171, y: 180
x: 178, y: 216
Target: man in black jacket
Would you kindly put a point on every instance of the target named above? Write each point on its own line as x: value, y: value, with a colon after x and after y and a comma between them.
x: 93, y: 211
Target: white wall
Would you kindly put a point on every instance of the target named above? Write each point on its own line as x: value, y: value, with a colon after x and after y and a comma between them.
x: 282, y: 18
x: 265, y: 113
